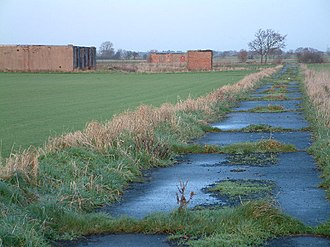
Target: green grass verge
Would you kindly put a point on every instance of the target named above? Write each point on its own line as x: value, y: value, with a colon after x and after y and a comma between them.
x: 271, y: 97
x: 263, y: 128
x: 262, y: 146
x: 319, y: 66
x: 76, y: 180
x: 219, y: 227
x: 35, y: 106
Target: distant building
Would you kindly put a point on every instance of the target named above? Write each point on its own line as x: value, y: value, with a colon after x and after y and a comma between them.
x: 198, y: 60
x: 36, y: 58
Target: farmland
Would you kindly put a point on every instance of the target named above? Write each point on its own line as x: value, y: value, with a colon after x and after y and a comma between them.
x: 36, y: 106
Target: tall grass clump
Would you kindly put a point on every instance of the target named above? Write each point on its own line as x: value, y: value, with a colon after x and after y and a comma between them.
x: 317, y: 87
x: 58, y: 184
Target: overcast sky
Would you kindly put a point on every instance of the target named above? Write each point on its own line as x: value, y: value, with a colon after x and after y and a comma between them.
x: 143, y: 25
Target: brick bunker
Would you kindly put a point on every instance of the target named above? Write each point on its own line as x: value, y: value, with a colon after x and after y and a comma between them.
x: 36, y: 58
x: 198, y: 60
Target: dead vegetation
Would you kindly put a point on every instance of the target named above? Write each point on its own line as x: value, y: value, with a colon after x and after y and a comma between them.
x: 181, y: 196
x: 139, y: 125
x: 142, y: 67
x: 317, y: 85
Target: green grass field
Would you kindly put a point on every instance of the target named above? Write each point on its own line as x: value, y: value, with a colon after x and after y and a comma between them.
x: 319, y: 66
x: 36, y: 106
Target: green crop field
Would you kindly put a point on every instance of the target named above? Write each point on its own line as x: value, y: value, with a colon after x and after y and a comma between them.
x: 34, y: 106
x: 319, y: 66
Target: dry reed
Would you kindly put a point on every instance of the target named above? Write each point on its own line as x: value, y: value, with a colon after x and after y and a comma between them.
x: 139, y: 125
x: 25, y: 162
x: 317, y: 85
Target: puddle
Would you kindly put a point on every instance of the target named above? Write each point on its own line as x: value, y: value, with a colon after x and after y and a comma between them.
x: 159, y: 194
x: 301, y: 241
x: 299, y: 193
x: 287, y: 104
x: 123, y: 240
x: 293, y: 89
x: 301, y: 139
x: 238, y: 120
x: 295, y: 175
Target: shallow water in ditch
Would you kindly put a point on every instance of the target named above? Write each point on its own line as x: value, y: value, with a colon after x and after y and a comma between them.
x: 301, y: 241
x: 238, y: 120
x: 126, y: 240
x: 290, y: 95
x: 287, y: 104
x: 295, y: 175
x: 301, y: 139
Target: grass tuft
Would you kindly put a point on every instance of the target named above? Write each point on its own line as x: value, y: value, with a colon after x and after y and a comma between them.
x: 262, y: 146
x: 238, y: 191
x: 269, y: 108
x: 262, y: 128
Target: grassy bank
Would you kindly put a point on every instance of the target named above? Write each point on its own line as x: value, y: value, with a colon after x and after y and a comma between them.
x: 317, y: 108
x: 49, y: 193
x: 35, y: 106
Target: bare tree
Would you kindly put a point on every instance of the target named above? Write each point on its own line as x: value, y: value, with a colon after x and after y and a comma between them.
x: 242, y: 56
x: 106, y: 50
x: 266, y: 42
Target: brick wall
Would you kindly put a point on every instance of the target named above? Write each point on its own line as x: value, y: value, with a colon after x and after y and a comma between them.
x: 45, y: 58
x: 167, y: 58
x: 199, y: 60
x: 194, y: 60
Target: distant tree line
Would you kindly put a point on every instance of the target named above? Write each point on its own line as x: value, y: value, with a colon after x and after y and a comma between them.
x: 309, y: 55
x: 107, y: 51
x: 266, y: 44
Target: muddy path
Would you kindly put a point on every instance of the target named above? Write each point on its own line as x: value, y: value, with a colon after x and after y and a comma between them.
x: 294, y: 174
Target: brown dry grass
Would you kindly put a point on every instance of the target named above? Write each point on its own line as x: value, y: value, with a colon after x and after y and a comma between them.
x: 317, y: 85
x: 139, y: 125
x: 142, y: 66
x: 146, y: 67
